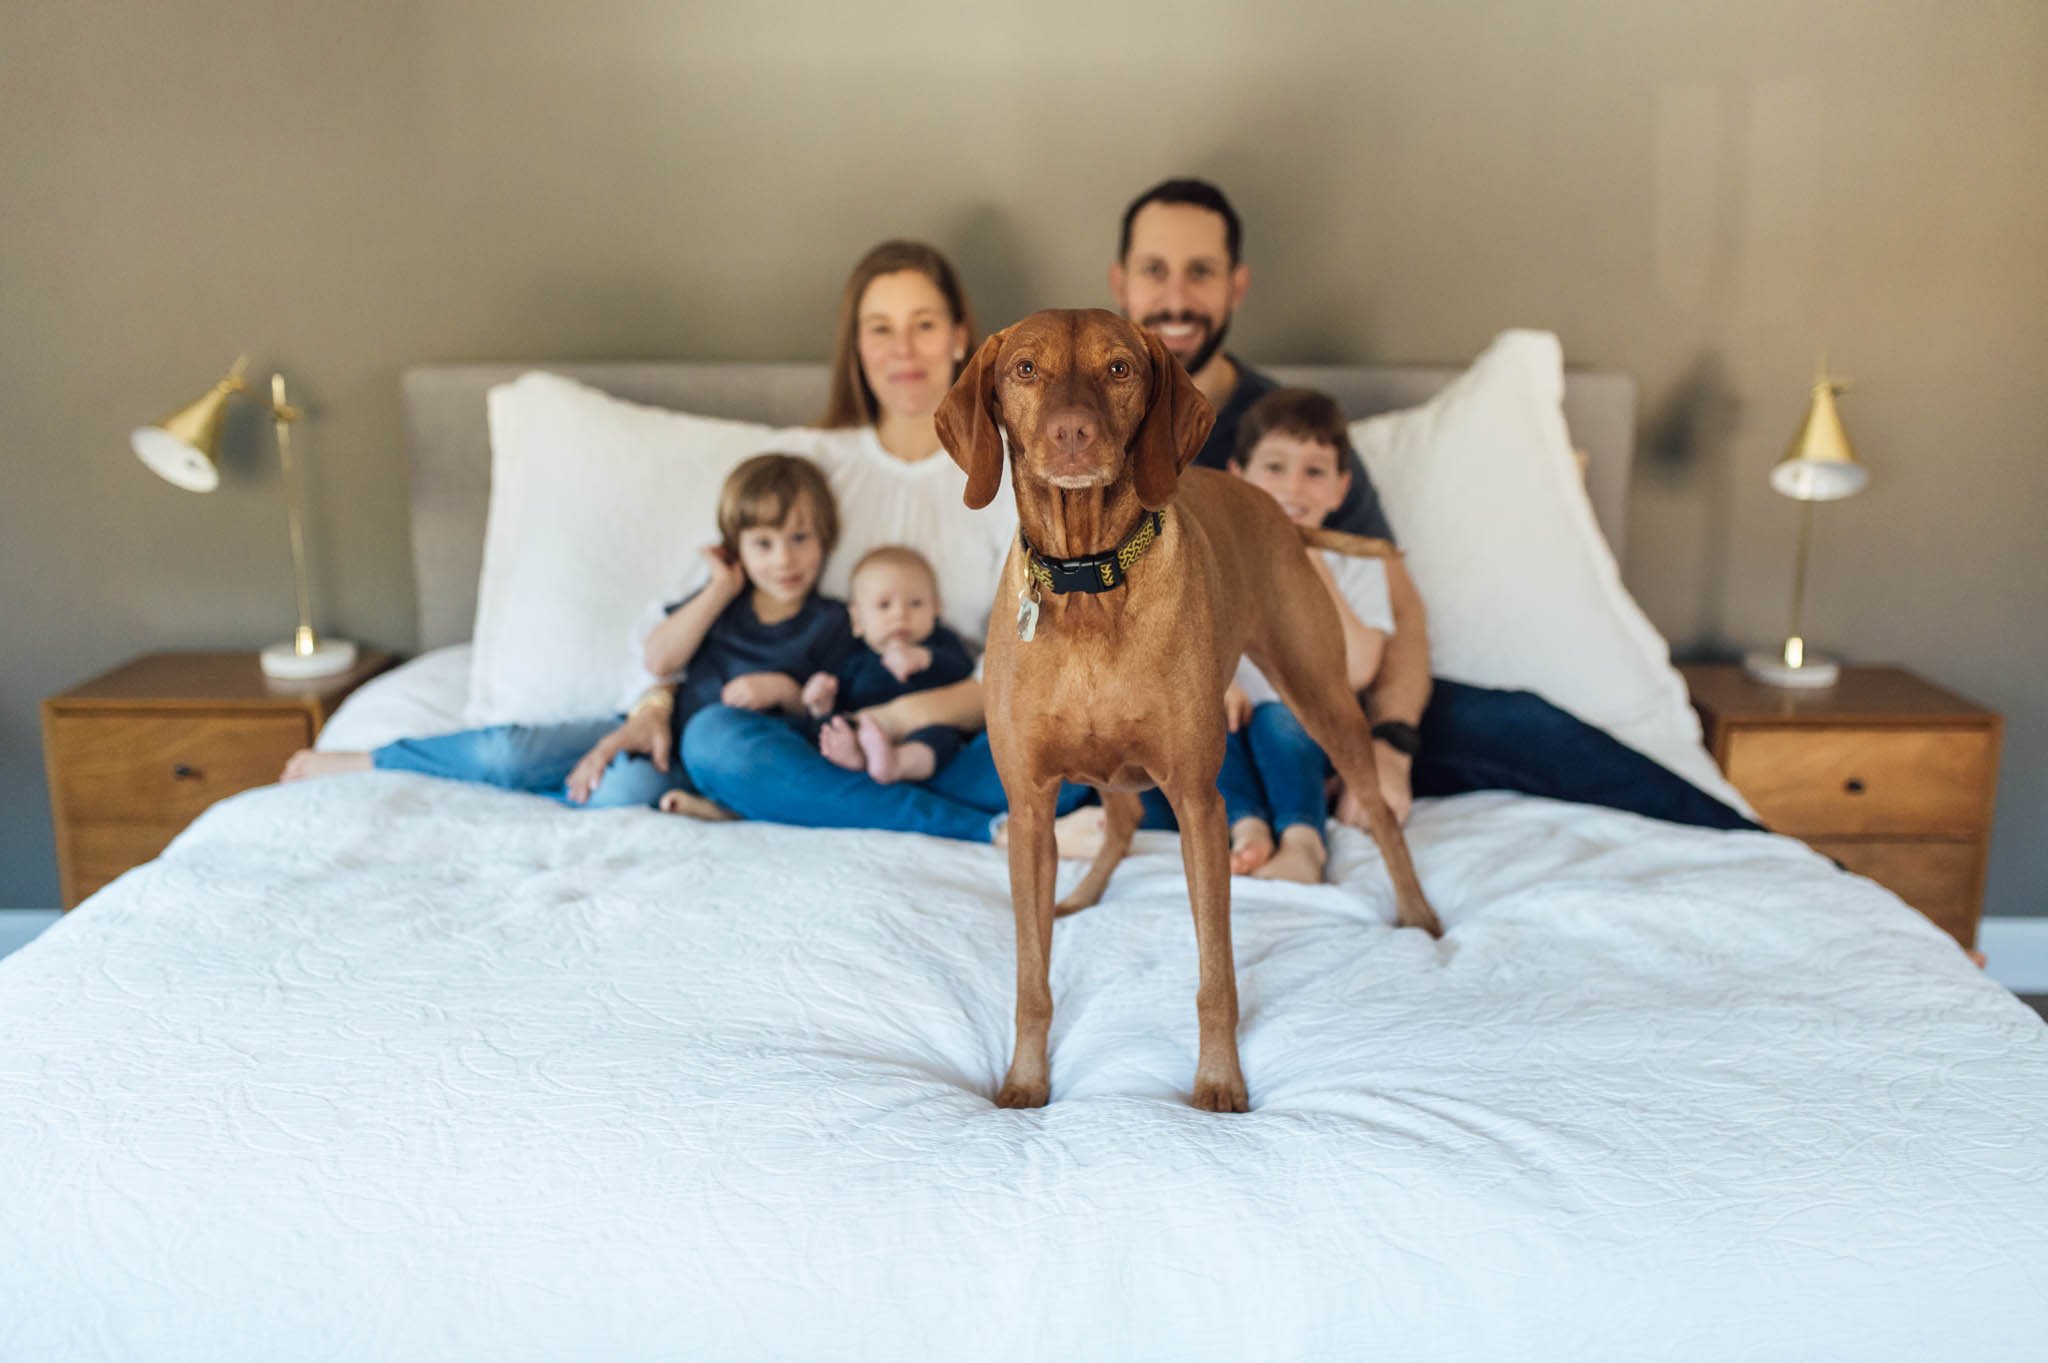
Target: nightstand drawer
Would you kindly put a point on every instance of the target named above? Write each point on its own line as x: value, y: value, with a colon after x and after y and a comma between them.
x: 1813, y: 781
x: 1937, y: 878
x: 163, y: 768
x: 102, y: 852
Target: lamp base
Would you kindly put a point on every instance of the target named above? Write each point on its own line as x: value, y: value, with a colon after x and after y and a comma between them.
x: 1769, y: 667
x: 329, y: 656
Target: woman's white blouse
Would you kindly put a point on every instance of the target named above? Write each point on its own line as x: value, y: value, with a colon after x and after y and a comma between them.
x: 886, y: 500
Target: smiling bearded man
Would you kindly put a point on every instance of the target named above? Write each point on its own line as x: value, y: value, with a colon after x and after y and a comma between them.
x: 1180, y: 274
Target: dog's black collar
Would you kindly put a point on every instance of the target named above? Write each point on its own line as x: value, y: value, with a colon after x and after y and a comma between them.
x: 1096, y: 572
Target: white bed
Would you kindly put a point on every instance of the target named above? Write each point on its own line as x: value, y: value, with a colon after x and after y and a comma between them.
x: 379, y: 1067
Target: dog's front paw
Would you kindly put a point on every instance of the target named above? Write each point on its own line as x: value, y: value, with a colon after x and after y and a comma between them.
x: 1224, y: 1094
x: 1423, y: 917
x: 1015, y: 1093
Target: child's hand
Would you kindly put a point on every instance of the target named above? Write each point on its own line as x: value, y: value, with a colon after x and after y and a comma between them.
x: 819, y: 693
x: 728, y: 579
x: 645, y: 731
x: 904, y: 660
x: 1237, y: 707
x: 762, y: 691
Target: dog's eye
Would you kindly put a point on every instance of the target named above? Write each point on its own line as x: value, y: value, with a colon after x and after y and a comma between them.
x: 1026, y: 369
x: 1118, y: 369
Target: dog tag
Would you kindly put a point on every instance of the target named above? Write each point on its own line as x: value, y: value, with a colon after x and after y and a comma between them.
x: 1027, y: 616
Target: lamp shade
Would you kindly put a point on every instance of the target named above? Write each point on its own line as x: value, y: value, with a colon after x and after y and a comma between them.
x: 1820, y: 466
x: 184, y: 448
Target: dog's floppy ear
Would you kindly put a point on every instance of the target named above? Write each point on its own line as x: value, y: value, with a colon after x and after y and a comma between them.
x: 1175, y: 426
x: 967, y: 424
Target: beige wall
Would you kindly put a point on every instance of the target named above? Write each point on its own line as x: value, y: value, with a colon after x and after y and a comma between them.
x: 1703, y: 195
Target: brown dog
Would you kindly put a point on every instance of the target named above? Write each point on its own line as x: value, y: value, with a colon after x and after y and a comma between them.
x: 1112, y: 672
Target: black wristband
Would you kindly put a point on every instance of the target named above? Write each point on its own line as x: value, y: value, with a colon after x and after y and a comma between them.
x: 1399, y: 735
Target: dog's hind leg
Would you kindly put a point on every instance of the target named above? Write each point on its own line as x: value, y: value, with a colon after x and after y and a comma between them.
x: 1121, y: 811
x: 1303, y: 656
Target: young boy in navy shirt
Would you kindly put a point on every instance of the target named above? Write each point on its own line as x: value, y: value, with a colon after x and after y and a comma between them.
x: 759, y: 625
x: 743, y: 639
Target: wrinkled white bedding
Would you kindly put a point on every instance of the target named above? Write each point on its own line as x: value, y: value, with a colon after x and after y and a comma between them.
x: 378, y: 1067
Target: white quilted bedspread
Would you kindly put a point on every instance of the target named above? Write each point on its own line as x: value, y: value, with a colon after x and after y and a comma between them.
x: 379, y: 1068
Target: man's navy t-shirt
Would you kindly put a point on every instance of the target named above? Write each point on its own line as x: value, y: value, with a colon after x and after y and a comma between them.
x: 1358, y: 514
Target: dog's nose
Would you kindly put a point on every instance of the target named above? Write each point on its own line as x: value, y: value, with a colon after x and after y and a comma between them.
x: 1072, y: 430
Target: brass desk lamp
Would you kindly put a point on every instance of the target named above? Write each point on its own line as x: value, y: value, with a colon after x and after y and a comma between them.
x: 184, y: 449
x: 1820, y: 467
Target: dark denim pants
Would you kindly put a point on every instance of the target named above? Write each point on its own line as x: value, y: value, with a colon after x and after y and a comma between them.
x: 1476, y: 738
x: 1473, y: 738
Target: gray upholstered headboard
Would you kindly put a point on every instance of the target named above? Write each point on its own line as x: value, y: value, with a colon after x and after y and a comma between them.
x: 451, y: 456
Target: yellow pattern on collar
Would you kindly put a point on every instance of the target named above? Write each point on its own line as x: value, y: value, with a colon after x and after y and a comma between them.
x: 1113, y: 568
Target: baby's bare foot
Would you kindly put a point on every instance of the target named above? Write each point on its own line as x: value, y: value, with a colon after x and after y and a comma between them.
x: 1300, y: 859
x: 306, y: 762
x: 880, y: 750
x: 1251, y: 845
x: 696, y: 806
x: 839, y: 745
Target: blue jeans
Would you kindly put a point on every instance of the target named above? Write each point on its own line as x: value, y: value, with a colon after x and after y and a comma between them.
x: 758, y: 766
x: 971, y: 777
x: 1292, y: 770
x: 535, y: 758
x: 1236, y: 779
x: 1476, y: 738
x: 1473, y: 738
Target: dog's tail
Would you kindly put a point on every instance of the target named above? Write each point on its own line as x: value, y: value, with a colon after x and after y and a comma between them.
x: 1358, y: 546
x: 1121, y: 810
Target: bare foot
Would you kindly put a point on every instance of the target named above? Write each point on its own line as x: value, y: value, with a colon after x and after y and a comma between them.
x: 1300, y: 859
x: 1251, y: 845
x: 880, y: 750
x: 305, y: 762
x: 915, y: 762
x: 1078, y: 835
x: 839, y: 745
x: 696, y: 806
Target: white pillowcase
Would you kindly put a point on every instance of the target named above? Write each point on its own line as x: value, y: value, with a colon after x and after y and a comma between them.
x: 1486, y: 501
x: 598, y: 506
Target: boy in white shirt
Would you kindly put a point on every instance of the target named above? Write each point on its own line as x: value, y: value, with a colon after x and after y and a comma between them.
x: 1293, y: 445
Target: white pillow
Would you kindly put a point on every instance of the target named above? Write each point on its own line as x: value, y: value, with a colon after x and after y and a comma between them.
x: 1487, y: 504
x: 421, y: 698
x: 598, y: 506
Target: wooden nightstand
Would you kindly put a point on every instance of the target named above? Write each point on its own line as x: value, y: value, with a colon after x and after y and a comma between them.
x: 1889, y: 775
x: 134, y: 755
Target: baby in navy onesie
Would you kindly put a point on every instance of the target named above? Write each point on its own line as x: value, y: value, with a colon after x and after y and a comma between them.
x: 893, y: 602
